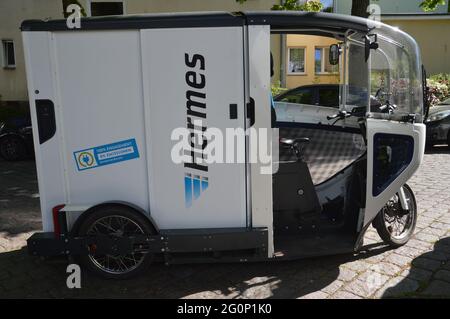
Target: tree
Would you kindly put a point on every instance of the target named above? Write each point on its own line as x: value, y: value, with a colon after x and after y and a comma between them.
x: 431, y: 5
x: 294, y: 5
x: 310, y: 5
x: 359, y: 8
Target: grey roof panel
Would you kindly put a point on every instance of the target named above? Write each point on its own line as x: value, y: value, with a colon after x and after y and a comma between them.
x: 277, y: 19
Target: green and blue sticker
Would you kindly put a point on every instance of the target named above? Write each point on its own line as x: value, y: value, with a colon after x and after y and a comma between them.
x: 106, y: 154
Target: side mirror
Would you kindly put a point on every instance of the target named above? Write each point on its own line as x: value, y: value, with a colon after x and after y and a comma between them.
x: 369, y: 45
x: 272, y: 72
x: 334, y: 54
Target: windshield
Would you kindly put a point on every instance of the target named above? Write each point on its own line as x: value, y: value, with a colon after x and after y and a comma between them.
x: 445, y: 102
x: 395, y: 72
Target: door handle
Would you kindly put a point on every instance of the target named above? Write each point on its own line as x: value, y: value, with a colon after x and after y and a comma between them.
x: 251, y: 111
x: 233, y: 112
x: 45, y: 112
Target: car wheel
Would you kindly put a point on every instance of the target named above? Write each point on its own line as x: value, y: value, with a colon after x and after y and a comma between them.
x: 12, y: 148
x: 116, y: 220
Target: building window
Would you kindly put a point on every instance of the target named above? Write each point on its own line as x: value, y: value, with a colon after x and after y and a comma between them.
x: 106, y: 8
x: 296, y: 58
x: 322, y: 62
x: 9, y: 56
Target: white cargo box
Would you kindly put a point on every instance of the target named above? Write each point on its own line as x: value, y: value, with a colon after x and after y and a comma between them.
x: 118, y: 95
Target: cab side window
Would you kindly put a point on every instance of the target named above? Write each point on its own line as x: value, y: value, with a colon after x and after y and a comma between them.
x: 301, y: 96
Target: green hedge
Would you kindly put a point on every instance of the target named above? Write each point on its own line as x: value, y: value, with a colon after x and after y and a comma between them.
x: 439, y: 87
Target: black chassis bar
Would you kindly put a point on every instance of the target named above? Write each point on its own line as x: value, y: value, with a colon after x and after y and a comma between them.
x: 167, y: 241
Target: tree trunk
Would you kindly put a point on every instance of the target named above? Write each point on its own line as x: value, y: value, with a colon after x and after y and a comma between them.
x: 357, y: 68
x: 359, y: 8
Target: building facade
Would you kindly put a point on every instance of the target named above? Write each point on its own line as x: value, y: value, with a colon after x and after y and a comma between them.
x: 430, y: 29
x: 303, y: 60
x: 12, y: 71
x: 13, y: 12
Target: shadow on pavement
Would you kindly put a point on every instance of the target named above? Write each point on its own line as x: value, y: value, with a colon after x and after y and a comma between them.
x: 19, y: 198
x: 437, y: 149
x: 23, y: 276
x: 428, y: 277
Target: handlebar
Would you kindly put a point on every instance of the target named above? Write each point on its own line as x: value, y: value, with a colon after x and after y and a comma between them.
x: 339, y: 116
x: 388, y: 108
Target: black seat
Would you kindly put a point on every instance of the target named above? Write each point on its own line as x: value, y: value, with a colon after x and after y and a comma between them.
x: 295, y: 200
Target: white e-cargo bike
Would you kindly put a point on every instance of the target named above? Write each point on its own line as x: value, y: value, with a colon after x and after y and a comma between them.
x: 105, y: 99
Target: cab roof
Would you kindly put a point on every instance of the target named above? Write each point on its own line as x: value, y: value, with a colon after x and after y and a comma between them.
x: 278, y: 20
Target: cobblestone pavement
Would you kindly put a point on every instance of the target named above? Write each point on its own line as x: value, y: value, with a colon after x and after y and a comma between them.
x: 419, y: 269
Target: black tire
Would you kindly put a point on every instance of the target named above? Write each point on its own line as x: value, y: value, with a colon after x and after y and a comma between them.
x: 383, y: 230
x: 112, y: 212
x: 12, y: 148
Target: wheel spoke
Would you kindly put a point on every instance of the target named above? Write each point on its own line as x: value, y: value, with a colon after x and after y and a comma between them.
x: 398, y: 222
x: 120, y: 262
x: 118, y: 226
x: 107, y: 226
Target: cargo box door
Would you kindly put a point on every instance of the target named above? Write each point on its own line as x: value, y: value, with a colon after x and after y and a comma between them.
x: 193, y: 82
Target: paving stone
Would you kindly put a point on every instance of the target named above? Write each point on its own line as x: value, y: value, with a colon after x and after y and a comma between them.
x: 315, y: 295
x: 440, y: 225
x: 418, y: 274
x: 426, y: 263
x: 399, y: 260
x: 346, y: 274
x: 371, y: 235
x: 418, y: 244
x: 333, y: 287
x: 357, y: 266
x: 443, y: 275
x: 360, y: 288
x: 386, y: 268
x: 398, y: 287
x: 366, y: 284
x: 439, y: 232
x: 437, y: 288
x: 437, y: 255
x: 342, y: 294
x: 4, y: 274
x: 442, y: 246
x: 409, y: 251
x: 426, y: 237
x: 375, y: 259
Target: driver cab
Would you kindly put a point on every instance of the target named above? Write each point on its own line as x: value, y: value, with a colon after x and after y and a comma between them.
x: 344, y: 148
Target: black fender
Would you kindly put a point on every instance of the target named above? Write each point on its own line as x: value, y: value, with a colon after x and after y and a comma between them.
x: 82, y: 217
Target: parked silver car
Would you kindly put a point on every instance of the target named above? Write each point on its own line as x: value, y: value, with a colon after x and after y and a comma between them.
x: 314, y: 104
